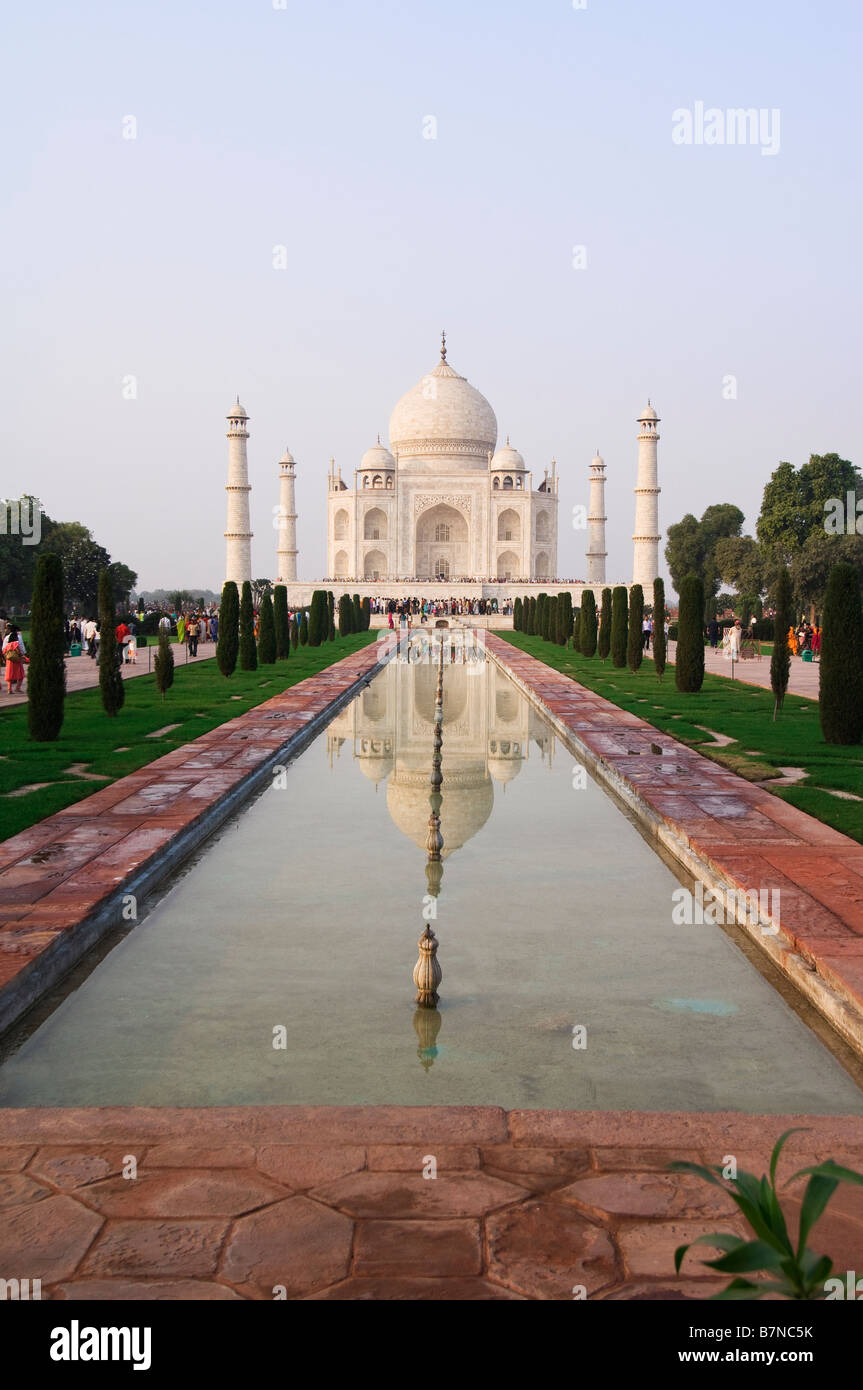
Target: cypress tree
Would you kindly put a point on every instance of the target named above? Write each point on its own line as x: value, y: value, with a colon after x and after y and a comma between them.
x: 367, y: 614
x: 564, y: 619
x: 689, y: 665
x: 841, y: 678
x: 346, y: 615
x: 46, y: 675
x: 619, y: 623
x: 228, y: 642
x: 530, y: 625
x: 780, y: 661
x: 604, y: 639
x: 358, y: 614
x: 317, y: 618
x: 588, y: 623
x: 331, y: 616
x: 110, y: 675
x: 295, y: 633
x: 576, y: 630
x: 635, y: 640
x: 248, y: 650
x: 280, y: 622
x: 267, y: 633
x: 516, y: 615
x: 550, y: 618
x: 164, y: 664
x: 539, y: 623
x: 304, y: 628
x: 659, y: 627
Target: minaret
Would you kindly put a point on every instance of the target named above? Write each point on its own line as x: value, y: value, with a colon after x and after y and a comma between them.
x: 286, y: 551
x: 238, y: 531
x: 596, y: 551
x: 645, y: 559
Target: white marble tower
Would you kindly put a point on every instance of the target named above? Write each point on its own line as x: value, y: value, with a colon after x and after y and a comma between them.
x: 596, y: 551
x: 238, y: 531
x: 286, y: 551
x: 645, y: 558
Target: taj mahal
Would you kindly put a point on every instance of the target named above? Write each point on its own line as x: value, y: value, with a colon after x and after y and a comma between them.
x: 443, y: 505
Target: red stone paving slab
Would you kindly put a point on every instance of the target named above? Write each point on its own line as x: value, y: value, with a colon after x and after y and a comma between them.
x: 739, y: 831
x: 564, y: 1202
x: 76, y: 861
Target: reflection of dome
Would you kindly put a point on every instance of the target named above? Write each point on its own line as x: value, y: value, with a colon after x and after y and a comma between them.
x: 375, y: 757
x: 443, y: 414
x: 464, y: 811
x: 505, y: 758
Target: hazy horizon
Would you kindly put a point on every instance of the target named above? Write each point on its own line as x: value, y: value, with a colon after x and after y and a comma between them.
x: 258, y: 127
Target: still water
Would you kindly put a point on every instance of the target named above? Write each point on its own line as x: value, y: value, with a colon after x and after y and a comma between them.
x: 298, y: 925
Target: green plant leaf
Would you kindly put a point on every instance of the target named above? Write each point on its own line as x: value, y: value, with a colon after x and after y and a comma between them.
x: 718, y: 1240
x: 754, y: 1254
x: 818, y: 1192
x: 779, y: 1146
x: 829, y: 1169
x: 708, y: 1174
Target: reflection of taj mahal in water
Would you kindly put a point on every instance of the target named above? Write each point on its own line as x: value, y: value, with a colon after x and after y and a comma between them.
x: 489, y: 731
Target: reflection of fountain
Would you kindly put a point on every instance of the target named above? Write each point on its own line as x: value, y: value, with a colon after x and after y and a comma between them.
x: 427, y: 972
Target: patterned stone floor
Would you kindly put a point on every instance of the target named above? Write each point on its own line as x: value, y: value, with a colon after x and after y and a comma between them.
x: 335, y: 1204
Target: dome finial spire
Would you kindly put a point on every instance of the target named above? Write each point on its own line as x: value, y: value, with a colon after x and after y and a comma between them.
x: 443, y: 346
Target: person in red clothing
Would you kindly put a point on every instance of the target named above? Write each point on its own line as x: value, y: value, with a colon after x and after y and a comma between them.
x: 122, y: 635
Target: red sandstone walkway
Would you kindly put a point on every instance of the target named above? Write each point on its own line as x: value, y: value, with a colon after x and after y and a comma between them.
x: 331, y: 1203
x: 726, y: 830
x: 803, y: 679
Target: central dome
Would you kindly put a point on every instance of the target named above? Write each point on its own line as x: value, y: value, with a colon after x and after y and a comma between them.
x: 443, y: 415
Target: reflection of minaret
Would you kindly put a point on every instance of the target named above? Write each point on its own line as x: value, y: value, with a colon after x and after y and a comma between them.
x: 238, y: 531
x: 286, y: 553
x: 596, y: 552
x: 645, y: 558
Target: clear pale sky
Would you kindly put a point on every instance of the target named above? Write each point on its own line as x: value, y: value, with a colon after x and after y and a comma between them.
x: 303, y: 126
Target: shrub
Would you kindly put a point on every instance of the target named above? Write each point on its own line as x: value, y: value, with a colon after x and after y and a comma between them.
x: 267, y: 633
x: 110, y: 674
x: 367, y: 614
x: 248, y: 650
x: 358, y: 614
x: 46, y: 675
x: 228, y: 642
x: 516, y: 616
x: 346, y: 615
x: 539, y: 623
x: 841, y: 694
x: 317, y: 618
x: 164, y: 663
x: 635, y: 637
x: 659, y: 652
x: 619, y: 622
x: 604, y: 639
x: 780, y: 661
x: 588, y: 623
x: 550, y: 619
x: 281, y: 623
x: 530, y: 626
x: 689, y: 662
x: 564, y: 619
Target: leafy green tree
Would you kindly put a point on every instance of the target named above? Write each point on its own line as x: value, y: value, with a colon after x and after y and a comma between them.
x: 281, y: 622
x: 46, y: 676
x: 841, y: 686
x: 619, y: 625
x: 164, y: 663
x: 123, y: 581
x: 228, y: 642
x: 793, y: 503
x: 82, y: 561
x: 689, y: 662
x: 267, y: 633
x: 810, y: 566
x: 110, y: 674
x: 20, y: 518
x: 691, y: 548
x: 635, y: 637
x: 259, y: 588
x: 780, y: 661
x: 248, y: 650
x: 604, y: 640
x: 659, y: 652
x: 588, y: 623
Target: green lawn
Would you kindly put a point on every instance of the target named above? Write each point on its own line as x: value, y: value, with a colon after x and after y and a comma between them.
x: 200, y: 699
x: 742, y: 712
